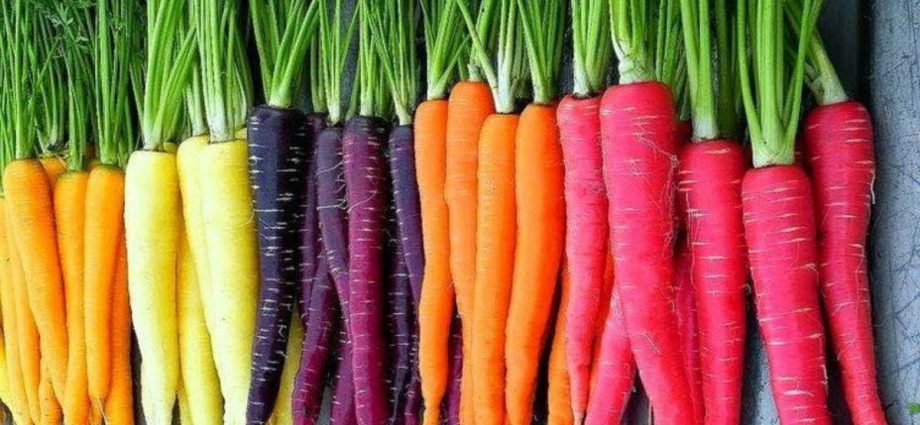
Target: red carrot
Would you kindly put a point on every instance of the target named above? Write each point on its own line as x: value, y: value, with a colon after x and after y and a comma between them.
x: 614, y: 370
x: 688, y: 326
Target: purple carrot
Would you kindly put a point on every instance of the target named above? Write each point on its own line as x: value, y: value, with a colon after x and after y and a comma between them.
x: 399, y: 324
x: 333, y: 218
x: 408, y: 208
x: 413, y: 406
x: 309, y: 235
x: 316, y: 353
x: 450, y: 406
x: 278, y: 153
x: 364, y: 147
x: 343, y: 390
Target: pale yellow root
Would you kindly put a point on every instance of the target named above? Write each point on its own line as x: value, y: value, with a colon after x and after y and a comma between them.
x: 233, y: 257
x: 199, y: 376
x: 185, y: 414
x: 5, y: 396
x: 282, y: 413
x: 188, y: 157
x: 152, y: 214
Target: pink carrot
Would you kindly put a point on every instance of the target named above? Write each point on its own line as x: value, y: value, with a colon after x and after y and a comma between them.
x: 638, y: 127
x: 838, y: 147
x: 585, y: 239
x: 614, y: 370
x: 687, y: 326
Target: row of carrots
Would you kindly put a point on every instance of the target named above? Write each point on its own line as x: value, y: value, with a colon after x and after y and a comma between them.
x: 378, y: 261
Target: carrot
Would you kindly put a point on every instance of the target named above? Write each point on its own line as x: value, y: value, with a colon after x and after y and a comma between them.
x: 50, y: 408
x: 283, y: 414
x: 779, y: 221
x: 838, y: 146
x: 70, y: 208
x: 560, y: 396
x: 450, y: 406
x: 54, y: 167
x: 119, y: 404
x: 188, y: 157
x: 688, y: 327
x: 614, y: 369
x: 16, y: 400
x: 26, y: 331
x: 31, y: 216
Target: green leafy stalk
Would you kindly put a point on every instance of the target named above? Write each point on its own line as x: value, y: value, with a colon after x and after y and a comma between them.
x: 820, y: 75
x: 508, y: 73
x: 486, y: 31
x: 315, y: 75
x: 393, y: 30
x: 591, y: 56
x: 374, y: 99
x: 75, y: 20
x: 711, y: 68
x: 631, y: 22
x: 543, y: 24
x: 446, y: 43
x: 772, y: 89
x: 170, y: 55
x: 283, y: 30
x: 115, y: 43
x: 194, y: 105
x: 335, y: 37
x: 53, y: 87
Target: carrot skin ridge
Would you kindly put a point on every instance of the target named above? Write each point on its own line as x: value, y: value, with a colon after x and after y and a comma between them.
x: 838, y: 146
x: 316, y: 354
x: 495, y: 250
x: 638, y: 130
x: 469, y: 105
x: 436, y: 302
x: 779, y: 228
x: 709, y: 194
x: 278, y: 154
x: 364, y: 146
x: 310, y: 246
x: 29, y: 199
x: 614, y: 370
x: 688, y: 326
x: 540, y: 214
x: 586, y: 236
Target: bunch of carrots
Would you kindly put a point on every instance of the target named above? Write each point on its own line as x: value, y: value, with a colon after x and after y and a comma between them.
x: 499, y: 253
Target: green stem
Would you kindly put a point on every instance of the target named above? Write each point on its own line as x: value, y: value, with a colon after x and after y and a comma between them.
x: 543, y: 25
x: 591, y: 57
x: 506, y: 75
x: 445, y: 44
x: 335, y: 37
x: 629, y: 22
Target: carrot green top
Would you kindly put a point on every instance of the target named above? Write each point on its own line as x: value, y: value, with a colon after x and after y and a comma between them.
x: 631, y: 25
x: 712, y: 70
x: 591, y: 56
x: 53, y: 86
x: 820, y: 75
x: 77, y: 61
x: 445, y: 43
x: 373, y: 95
x: 335, y: 40
x: 170, y: 49
x: 283, y: 30
x: 543, y: 22
x: 194, y: 104
x: 226, y: 85
x: 393, y: 30
x: 771, y: 88
x: 507, y: 76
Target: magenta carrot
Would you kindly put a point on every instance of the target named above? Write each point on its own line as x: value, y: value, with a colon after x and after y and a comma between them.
x: 614, y: 370
x: 687, y: 326
x: 779, y: 222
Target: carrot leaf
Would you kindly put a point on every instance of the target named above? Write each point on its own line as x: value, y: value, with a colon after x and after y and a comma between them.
x: 543, y: 23
x: 115, y: 41
x: 373, y: 96
x: 77, y: 52
x: 393, y: 27
x: 283, y: 30
x: 630, y: 24
x: 446, y: 43
x: 591, y: 57
x: 771, y: 88
x: 335, y: 37
x: 820, y: 75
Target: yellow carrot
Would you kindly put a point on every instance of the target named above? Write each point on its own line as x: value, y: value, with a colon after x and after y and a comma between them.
x: 188, y: 157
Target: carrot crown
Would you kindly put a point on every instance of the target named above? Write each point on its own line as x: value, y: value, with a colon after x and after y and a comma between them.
x: 393, y: 30
x: 630, y: 25
x: 713, y: 77
x: 771, y: 89
x: 543, y: 24
x: 507, y: 76
x: 226, y: 84
x: 820, y: 75
x: 194, y: 104
x: 335, y: 40
x: 373, y: 96
x: 170, y: 54
x: 75, y: 24
x: 591, y: 57
x: 283, y: 30
x: 445, y: 44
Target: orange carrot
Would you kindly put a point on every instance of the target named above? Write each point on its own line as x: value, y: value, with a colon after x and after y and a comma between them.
x: 27, y: 334
x: 69, y: 212
x: 437, y: 302
x: 104, y: 223
x: 119, y: 404
x: 540, y: 208
x: 18, y: 404
x: 50, y: 408
x: 560, y: 400
x: 54, y: 167
x: 495, y: 244
x: 469, y: 105
x: 31, y: 215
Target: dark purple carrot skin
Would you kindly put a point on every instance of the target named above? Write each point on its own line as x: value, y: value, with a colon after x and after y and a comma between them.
x: 364, y: 146
x: 450, y: 406
x: 408, y: 207
x: 278, y: 153
x: 310, y: 247
x: 413, y: 410
x: 332, y: 210
x: 343, y: 390
x: 316, y: 352
x: 399, y: 324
